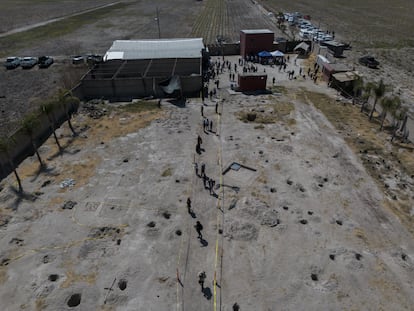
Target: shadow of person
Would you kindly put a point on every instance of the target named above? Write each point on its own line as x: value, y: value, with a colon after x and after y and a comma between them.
x: 192, y: 214
x: 207, y: 293
x: 203, y: 242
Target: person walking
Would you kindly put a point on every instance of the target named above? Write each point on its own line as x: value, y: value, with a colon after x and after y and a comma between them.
x: 201, y: 279
x: 199, y: 140
x: 236, y: 307
x: 202, y: 110
x: 203, y: 169
x: 211, y: 125
x: 196, y: 168
x: 199, y: 228
x: 189, y: 205
x: 216, y: 108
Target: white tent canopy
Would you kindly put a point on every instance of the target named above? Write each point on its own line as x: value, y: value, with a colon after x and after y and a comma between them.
x: 277, y: 53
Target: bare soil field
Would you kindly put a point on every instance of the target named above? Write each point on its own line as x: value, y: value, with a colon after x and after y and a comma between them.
x: 317, y: 217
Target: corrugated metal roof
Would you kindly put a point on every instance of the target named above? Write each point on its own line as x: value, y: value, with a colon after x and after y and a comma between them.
x: 159, y: 48
x: 256, y: 31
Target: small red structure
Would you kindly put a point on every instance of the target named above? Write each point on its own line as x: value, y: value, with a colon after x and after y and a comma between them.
x: 249, y: 82
x: 254, y: 41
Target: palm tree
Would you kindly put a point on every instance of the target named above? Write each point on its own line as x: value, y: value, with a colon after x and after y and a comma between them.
x: 29, y: 124
x: 68, y: 101
x: 399, y: 116
x: 389, y: 104
x: 5, y: 146
x: 379, y: 91
x: 366, y: 95
x: 358, y: 86
x: 48, y: 109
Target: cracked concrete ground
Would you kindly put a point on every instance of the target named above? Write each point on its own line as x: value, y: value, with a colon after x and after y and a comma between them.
x: 307, y: 230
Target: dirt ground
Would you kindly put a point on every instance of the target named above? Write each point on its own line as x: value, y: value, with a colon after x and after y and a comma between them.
x: 307, y: 228
x: 318, y: 217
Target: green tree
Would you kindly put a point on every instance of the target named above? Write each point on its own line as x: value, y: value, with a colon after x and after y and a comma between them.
x: 48, y: 108
x: 5, y: 147
x: 379, y: 91
x: 29, y: 124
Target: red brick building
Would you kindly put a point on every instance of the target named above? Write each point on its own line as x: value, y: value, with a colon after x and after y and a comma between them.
x: 253, y: 41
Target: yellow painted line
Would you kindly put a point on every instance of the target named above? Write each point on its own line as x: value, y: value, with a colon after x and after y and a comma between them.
x: 218, y: 220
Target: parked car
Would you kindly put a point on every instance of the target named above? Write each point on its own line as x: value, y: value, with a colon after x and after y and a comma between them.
x: 45, y: 61
x: 369, y: 61
x: 94, y: 59
x: 12, y: 62
x: 78, y: 59
x: 28, y: 62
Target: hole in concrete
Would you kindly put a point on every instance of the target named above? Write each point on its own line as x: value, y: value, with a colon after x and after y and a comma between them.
x: 220, y: 231
x: 74, y: 300
x: 178, y: 232
x: 125, y: 160
x: 310, y: 213
x: 404, y: 257
x: 303, y: 221
x: 289, y: 182
x: 46, y: 259
x: 118, y: 242
x: 122, y: 284
x: 332, y: 257
x: 53, y: 277
x: 358, y: 256
x: 320, y: 185
x: 302, y: 189
x: 272, y: 190
x: 314, y: 277
x: 5, y: 262
x: 339, y: 222
x: 151, y: 224
x: 177, y: 181
x: 166, y: 215
x: 285, y: 208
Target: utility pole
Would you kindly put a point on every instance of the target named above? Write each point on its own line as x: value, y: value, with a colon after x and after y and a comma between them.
x: 158, y: 23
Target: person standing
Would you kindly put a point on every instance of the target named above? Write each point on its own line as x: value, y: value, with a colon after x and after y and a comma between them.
x: 201, y: 279
x: 202, y: 110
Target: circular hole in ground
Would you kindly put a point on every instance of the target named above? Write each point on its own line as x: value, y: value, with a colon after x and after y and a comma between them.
x: 272, y: 190
x: 358, y: 256
x: 74, y: 300
x: 339, y: 222
x: 220, y: 231
x: 151, y: 224
x: 285, y: 208
x: 178, y: 232
x: 332, y: 257
x: 310, y: 213
x: 53, y: 277
x: 314, y: 277
x: 166, y: 215
x: 404, y: 257
x: 122, y: 284
x: 303, y: 221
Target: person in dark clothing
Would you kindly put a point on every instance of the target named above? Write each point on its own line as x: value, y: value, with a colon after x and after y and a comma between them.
x: 199, y: 228
x: 216, y: 107
x: 189, y: 205
x: 202, y: 111
x: 201, y: 279
x: 199, y: 140
x: 236, y: 307
x: 203, y: 169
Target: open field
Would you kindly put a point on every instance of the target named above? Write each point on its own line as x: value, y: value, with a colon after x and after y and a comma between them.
x: 322, y: 220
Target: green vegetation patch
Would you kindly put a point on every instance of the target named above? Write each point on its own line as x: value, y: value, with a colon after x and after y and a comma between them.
x: 140, y: 106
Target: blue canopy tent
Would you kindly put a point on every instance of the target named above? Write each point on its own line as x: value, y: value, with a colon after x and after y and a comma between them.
x: 264, y: 54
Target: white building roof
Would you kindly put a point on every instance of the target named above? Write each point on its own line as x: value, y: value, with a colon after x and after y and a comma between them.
x: 256, y: 31
x: 158, y: 48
